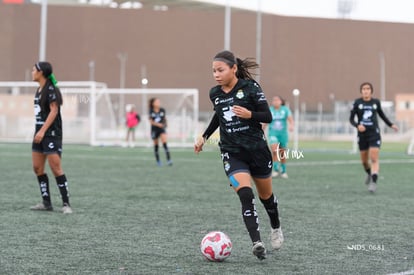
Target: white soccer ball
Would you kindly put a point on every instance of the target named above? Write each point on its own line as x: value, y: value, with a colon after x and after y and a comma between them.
x: 216, y: 246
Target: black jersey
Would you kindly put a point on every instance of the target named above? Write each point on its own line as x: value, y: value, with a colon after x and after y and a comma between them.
x: 41, y: 114
x: 237, y: 133
x: 159, y: 117
x: 366, y: 113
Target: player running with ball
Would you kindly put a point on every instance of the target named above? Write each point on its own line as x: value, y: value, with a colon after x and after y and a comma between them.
x: 240, y: 107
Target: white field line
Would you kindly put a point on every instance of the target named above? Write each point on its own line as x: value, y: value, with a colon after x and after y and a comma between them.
x: 408, y: 272
x: 200, y: 157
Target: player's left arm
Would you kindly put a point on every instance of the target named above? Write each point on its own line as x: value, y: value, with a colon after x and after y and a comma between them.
x: 384, y: 117
x: 54, y: 110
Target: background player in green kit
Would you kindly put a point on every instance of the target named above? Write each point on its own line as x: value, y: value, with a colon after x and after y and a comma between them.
x: 282, y: 122
x: 240, y: 107
x: 365, y: 109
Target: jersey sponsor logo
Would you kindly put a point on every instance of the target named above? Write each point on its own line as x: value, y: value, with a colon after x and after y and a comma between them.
x: 240, y: 94
x: 228, y: 114
x: 37, y: 109
x: 367, y: 115
x: 226, y: 100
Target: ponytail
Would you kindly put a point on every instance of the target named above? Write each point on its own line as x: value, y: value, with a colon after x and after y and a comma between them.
x: 243, y: 66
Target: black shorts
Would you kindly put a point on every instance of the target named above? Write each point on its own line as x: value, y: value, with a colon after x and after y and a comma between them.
x: 156, y: 132
x: 369, y: 139
x: 258, y: 163
x: 48, y: 145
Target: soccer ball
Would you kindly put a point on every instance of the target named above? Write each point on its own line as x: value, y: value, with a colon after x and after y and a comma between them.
x: 216, y: 246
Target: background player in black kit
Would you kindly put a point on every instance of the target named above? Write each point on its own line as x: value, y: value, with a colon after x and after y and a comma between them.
x: 47, y: 141
x: 240, y: 107
x: 158, y: 120
x: 366, y: 109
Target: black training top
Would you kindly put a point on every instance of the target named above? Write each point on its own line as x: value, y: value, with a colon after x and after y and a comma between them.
x: 238, y: 133
x: 55, y: 130
x: 159, y: 117
x: 366, y: 112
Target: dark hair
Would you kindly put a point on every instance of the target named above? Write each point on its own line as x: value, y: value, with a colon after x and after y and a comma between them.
x: 243, y: 66
x: 47, y: 71
x: 366, y: 83
x: 151, y: 102
x: 281, y: 99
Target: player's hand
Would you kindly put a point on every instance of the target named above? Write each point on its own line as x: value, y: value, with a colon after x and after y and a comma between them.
x: 242, y: 112
x: 361, y: 128
x: 198, y: 146
x: 38, y: 137
x: 395, y: 127
x: 291, y: 128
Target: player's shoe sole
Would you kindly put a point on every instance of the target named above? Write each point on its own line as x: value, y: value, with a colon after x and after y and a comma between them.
x: 259, y: 250
x: 275, y: 174
x: 284, y: 175
x: 41, y: 207
x: 276, y: 238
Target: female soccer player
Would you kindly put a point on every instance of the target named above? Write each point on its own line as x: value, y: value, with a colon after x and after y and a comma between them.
x: 240, y: 107
x: 282, y: 121
x: 158, y: 120
x: 47, y: 141
x: 366, y: 109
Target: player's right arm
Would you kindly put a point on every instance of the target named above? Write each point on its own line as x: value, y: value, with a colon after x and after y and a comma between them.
x: 212, y: 127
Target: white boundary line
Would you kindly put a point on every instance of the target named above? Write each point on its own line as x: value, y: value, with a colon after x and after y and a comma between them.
x: 408, y: 272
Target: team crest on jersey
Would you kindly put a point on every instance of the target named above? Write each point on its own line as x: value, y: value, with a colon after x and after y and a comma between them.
x: 360, y: 106
x: 240, y: 94
x: 374, y: 106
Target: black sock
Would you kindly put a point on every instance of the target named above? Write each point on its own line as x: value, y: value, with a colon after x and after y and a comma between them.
x: 249, y: 213
x: 368, y: 170
x: 157, y: 156
x: 271, y: 208
x: 167, y: 152
x: 374, y: 178
x: 62, y: 183
x: 44, y: 189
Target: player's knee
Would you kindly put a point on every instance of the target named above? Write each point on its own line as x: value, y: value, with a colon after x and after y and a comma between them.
x: 245, y: 194
x: 38, y: 169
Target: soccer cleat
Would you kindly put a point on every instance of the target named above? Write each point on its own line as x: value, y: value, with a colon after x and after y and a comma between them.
x: 41, y: 207
x: 259, y: 250
x: 284, y: 175
x: 276, y: 238
x: 159, y: 164
x: 368, y: 179
x: 170, y: 163
x: 66, y: 209
x: 372, y: 187
x: 275, y: 174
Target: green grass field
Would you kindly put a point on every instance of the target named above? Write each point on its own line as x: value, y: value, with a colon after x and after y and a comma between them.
x: 131, y: 217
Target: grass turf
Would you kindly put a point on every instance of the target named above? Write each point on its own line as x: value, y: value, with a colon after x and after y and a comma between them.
x: 132, y: 217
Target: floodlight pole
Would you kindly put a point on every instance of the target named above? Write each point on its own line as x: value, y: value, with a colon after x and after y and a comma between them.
x: 258, y: 38
x: 122, y: 59
x: 227, y: 26
x: 382, y: 75
x: 43, y: 29
x: 296, y: 94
